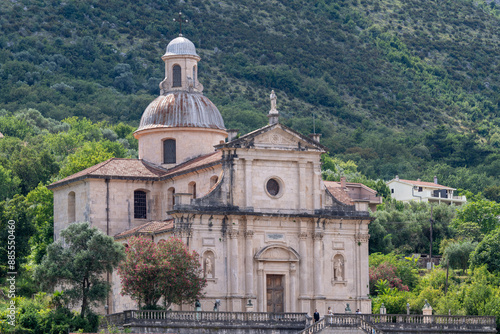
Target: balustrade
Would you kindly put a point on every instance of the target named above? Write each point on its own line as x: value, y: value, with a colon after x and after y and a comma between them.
x: 209, y: 316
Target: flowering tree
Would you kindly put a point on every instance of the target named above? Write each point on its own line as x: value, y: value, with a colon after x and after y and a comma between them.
x: 165, y: 269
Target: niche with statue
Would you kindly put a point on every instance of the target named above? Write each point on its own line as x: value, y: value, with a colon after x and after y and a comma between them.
x: 338, y: 267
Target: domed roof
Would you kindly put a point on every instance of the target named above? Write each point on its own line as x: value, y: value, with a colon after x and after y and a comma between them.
x: 181, y: 46
x: 181, y: 109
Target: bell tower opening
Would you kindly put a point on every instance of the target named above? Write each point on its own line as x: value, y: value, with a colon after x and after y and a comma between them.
x: 176, y: 76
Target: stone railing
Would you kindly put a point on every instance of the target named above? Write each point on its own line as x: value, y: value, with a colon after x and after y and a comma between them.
x: 431, y: 319
x: 314, y: 328
x: 378, y: 323
x: 343, y: 320
x: 212, y: 316
x: 136, y: 319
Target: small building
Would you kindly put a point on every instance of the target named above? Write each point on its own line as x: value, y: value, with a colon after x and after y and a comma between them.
x: 357, y: 194
x: 432, y: 192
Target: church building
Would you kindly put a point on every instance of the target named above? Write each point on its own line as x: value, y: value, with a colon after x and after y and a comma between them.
x: 269, y: 231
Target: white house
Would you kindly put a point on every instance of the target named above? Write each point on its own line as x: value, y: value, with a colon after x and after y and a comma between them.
x: 432, y: 192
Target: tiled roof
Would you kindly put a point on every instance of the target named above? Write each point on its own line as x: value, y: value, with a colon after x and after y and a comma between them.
x: 152, y: 227
x: 116, y: 168
x: 424, y: 184
x: 138, y: 169
x: 337, y: 192
x: 196, y: 163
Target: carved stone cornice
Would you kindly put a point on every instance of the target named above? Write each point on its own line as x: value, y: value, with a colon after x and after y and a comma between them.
x: 362, y: 237
x: 318, y: 235
x: 303, y: 235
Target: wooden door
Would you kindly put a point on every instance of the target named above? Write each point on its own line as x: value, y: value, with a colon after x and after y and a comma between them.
x: 275, y: 293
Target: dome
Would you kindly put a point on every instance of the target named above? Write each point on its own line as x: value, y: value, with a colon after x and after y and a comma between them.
x: 181, y: 109
x: 181, y: 46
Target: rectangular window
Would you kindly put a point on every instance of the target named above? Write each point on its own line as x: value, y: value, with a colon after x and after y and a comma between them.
x: 169, y: 151
x: 420, y: 189
x: 140, y: 207
x: 392, y: 191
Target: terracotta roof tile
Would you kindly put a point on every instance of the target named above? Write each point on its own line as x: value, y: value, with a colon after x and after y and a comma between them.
x: 424, y: 184
x: 116, y: 168
x: 152, y: 227
x: 337, y: 192
x: 196, y: 162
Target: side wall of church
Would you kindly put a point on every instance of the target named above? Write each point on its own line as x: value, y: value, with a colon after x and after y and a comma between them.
x: 66, y: 210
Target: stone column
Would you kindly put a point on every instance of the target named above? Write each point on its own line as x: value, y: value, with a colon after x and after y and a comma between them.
x: 249, y: 264
x: 293, y: 287
x: 260, y: 286
x: 318, y: 265
x: 233, y: 251
x: 362, y: 267
x: 248, y: 183
x: 302, y: 185
x: 303, y: 264
x: 316, y: 186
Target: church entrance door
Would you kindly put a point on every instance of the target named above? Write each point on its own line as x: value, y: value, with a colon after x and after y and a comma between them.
x: 275, y: 293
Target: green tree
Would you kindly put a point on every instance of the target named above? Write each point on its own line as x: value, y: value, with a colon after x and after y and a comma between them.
x: 487, y: 252
x: 492, y: 193
x: 90, y: 154
x: 482, y: 212
x: 40, y: 204
x: 408, y: 225
x: 15, y: 209
x: 8, y: 183
x: 79, y: 264
x: 457, y: 253
x: 165, y: 269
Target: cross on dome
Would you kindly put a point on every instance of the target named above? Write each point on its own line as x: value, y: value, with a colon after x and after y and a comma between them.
x: 180, y: 20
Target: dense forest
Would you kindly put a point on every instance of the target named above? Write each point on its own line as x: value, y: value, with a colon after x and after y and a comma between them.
x: 409, y: 88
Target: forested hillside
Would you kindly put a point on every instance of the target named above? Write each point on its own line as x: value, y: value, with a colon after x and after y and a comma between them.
x: 408, y: 88
x: 395, y: 87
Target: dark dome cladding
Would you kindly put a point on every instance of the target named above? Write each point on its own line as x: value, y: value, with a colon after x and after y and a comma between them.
x: 181, y: 109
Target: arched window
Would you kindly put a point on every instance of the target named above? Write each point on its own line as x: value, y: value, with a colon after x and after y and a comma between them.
x: 171, y: 198
x: 169, y: 151
x: 176, y: 76
x: 71, y: 207
x: 192, y: 188
x: 140, y: 204
x: 213, y: 180
x: 194, y: 73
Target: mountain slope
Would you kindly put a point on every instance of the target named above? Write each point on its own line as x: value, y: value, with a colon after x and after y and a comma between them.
x: 378, y: 76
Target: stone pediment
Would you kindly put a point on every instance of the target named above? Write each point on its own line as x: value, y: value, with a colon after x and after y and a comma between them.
x: 276, y: 136
x: 277, y: 253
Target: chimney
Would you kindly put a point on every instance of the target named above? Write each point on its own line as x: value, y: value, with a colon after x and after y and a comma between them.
x: 419, y: 180
x: 435, y: 179
x: 315, y: 136
x: 397, y: 177
x: 231, y: 134
x: 342, y: 182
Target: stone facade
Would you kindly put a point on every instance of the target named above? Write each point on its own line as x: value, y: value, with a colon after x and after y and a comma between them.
x: 255, y: 208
